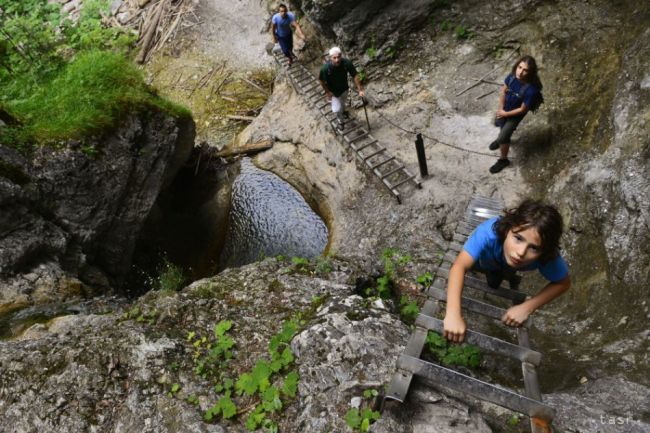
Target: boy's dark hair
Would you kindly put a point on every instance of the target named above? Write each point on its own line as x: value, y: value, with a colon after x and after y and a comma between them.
x: 534, y: 214
x: 533, y: 78
x: 282, y: 5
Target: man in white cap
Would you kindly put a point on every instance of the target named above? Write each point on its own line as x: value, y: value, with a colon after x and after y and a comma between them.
x: 333, y: 78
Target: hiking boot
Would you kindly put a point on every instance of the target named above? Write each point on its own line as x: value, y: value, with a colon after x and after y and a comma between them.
x: 340, y: 126
x: 346, y: 114
x: 499, y: 165
x: 494, y: 145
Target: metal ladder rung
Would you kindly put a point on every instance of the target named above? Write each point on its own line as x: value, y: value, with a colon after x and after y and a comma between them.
x: 309, y: 86
x: 379, y: 164
x: 492, y: 344
x: 477, y: 284
x: 354, y: 127
x: 479, y: 389
x: 358, y: 149
x: 358, y: 137
x: 411, y: 177
x: 303, y: 78
x: 377, y: 152
x: 393, y: 171
x: 470, y: 304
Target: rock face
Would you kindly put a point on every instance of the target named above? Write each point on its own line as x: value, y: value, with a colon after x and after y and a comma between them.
x: 368, y: 23
x: 71, y: 214
x: 114, y: 373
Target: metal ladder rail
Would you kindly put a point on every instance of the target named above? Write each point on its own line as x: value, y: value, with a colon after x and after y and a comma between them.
x: 410, y: 364
x: 306, y: 84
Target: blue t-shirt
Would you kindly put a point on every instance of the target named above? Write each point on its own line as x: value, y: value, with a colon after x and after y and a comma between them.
x: 283, y: 26
x: 518, y: 93
x: 487, y: 251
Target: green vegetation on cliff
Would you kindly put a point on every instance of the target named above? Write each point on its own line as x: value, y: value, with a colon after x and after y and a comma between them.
x: 61, y: 80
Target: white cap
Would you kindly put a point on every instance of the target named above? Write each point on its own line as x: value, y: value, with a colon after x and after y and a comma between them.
x: 335, y: 51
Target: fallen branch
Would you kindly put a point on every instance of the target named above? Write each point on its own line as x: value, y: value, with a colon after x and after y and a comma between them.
x: 255, y: 86
x: 150, y: 32
x: 246, y: 149
x: 234, y: 117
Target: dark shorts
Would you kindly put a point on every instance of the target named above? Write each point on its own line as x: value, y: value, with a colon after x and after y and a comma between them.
x: 507, y: 129
x: 286, y: 43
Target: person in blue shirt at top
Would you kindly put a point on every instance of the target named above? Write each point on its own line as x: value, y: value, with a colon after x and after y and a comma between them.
x: 524, y: 239
x: 281, y: 24
x: 520, y: 93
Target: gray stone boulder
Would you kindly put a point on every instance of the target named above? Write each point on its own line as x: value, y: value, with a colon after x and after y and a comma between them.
x: 359, y: 25
x: 80, y: 210
x: 115, y: 372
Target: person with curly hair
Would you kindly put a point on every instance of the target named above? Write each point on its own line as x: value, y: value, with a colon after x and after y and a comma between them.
x: 526, y: 238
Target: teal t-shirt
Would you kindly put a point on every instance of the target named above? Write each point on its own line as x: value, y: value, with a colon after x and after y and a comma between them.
x: 335, y: 77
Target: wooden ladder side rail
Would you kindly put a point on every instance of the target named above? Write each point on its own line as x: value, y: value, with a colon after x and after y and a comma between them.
x: 476, y: 388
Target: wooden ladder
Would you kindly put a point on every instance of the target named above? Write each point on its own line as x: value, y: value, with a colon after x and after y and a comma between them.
x: 375, y: 157
x: 410, y: 364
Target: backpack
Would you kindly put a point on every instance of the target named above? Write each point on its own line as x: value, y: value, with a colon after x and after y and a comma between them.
x: 539, y: 100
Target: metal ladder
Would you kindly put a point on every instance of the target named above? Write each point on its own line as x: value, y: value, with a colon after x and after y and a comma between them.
x: 390, y: 171
x: 409, y: 363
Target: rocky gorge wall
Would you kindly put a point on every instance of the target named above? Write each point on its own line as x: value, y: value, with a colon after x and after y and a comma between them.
x: 70, y: 217
x: 586, y: 150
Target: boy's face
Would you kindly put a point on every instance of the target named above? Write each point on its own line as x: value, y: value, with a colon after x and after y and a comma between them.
x: 283, y: 12
x: 522, y: 246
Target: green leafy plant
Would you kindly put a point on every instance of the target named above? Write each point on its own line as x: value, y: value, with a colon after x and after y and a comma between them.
x: 174, y: 389
x: 149, y: 316
x: 371, y: 52
x: 267, y: 385
x: 408, y: 309
x: 323, y: 265
x: 171, y: 277
x: 445, y: 25
x: 212, y: 353
x: 301, y: 265
x: 425, y: 280
x: 465, y: 355
x: 462, y: 32
x: 360, y: 419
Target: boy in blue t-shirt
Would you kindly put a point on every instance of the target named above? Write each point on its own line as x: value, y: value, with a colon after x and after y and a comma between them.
x: 281, y: 24
x: 520, y: 93
x: 525, y: 239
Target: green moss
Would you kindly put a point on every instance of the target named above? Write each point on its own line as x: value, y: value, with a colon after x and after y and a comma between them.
x: 90, y: 95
